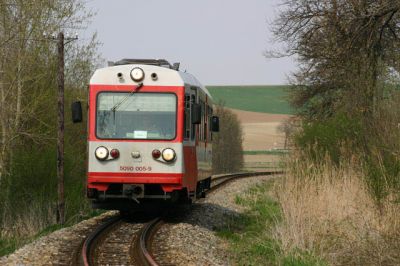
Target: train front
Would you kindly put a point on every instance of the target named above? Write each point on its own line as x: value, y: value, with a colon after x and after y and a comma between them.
x: 135, y: 136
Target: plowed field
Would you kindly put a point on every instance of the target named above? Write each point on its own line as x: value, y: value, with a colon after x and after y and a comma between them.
x: 261, y: 130
x: 261, y: 133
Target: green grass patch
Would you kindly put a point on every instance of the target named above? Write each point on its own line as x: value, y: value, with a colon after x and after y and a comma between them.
x: 266, y: 152
x: 8, y: 246
x: 264, y: 99
x: 250, y: 235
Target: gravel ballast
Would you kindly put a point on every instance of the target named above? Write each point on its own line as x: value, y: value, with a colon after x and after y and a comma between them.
x: 191, y: 241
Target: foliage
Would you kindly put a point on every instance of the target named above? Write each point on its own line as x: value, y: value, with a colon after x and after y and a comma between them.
x: 251, y: 235
x: 264, y: 99
x: 347, y: 50
x: 346, y: 90
x: 331, y: 137
x: 28, y: 115
x: 227, y: 143
x: 382, y: 153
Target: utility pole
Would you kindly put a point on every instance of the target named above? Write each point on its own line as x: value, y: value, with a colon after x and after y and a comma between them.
x: 60, y: 132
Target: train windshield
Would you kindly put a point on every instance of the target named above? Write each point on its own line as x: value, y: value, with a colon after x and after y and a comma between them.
x: 138, y: 116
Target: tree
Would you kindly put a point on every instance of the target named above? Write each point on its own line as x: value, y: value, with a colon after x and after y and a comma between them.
x: 227, y: 144
x: 346, y: 49
x: 347, y: 86
x: 28, y: 86
x: 28, y: 69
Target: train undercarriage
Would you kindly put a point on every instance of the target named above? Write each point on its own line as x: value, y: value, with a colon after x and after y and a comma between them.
x: 132, y: 196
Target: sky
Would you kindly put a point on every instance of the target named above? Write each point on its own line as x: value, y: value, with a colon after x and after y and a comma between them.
x: 221, y: 42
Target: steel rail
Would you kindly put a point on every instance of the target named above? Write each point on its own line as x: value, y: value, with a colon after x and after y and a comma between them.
x: 145, y: 240
x: 230, y: 177
x: 142, y: 247
x: 88, y: 246
x: 151, y: 228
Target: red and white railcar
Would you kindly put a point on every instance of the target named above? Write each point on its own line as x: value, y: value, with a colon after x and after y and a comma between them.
x: 150, y: 134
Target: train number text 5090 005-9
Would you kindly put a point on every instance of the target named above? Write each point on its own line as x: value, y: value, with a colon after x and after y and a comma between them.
x: 135, y: 168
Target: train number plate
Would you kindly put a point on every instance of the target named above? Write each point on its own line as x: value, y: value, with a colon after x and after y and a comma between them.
x: 135, y: 168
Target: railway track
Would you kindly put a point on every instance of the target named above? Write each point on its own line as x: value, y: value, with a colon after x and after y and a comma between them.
x: 221, y: 180
x: 119, y: 241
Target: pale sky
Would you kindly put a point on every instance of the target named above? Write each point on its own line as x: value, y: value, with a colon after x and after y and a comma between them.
x: 221, y: 42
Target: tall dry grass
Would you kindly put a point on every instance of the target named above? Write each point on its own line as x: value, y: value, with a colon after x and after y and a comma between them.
x: 329, y: 211
x: 25, y: 224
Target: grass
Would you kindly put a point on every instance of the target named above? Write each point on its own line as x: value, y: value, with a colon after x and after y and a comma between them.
x: 266, y: 152
x: 329, y: 211
x: 10, y: 243
x: 264, y: 99
x: 265, y: 166
x: 250, y: 235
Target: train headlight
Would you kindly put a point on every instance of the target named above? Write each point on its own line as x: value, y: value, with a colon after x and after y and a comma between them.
x: 137, y: 74
x: 101, y: 153
x: 168, y: 155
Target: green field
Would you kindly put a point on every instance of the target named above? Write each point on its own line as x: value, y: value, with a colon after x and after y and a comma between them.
x: 264, y: 99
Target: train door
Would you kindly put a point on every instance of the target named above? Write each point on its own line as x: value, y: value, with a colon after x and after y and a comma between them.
x: 190, y: 141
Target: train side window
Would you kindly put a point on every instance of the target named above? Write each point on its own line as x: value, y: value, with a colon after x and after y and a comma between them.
x: 193, y: 126
x: 187, y: 117
x: 205, y: 121
x: 208, y: 123
x: 201, y: 129
x: 210, y: 113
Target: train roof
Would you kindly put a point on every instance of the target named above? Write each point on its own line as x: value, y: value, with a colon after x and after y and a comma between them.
x: 167, y: 75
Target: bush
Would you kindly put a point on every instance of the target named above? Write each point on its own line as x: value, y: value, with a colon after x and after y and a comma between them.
x: 227, y: 144
x: 373, y: 143
x: 333, y: 137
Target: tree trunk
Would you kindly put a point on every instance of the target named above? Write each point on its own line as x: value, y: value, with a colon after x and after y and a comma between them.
x: 19, y: 95
x: 3, y: 127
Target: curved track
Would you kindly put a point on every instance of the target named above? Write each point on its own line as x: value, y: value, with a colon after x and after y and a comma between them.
x: 119, y: 242
x: 221, y: 180
x: 138, y: 237
x: 88, y: 247
x: 145, y: 241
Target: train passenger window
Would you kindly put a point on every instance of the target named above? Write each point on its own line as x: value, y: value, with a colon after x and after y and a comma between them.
x: 193, y: 126
x: 209, y: 136
x: 187, y: 117
x: 201, y: 129
x: 205, y: 122
x: 210, y: 113
x: 136, y: 116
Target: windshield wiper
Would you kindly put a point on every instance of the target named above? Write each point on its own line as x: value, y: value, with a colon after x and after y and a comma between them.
x: 117, y: 105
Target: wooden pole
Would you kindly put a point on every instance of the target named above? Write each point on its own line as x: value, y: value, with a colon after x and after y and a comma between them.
x: 60, y: 135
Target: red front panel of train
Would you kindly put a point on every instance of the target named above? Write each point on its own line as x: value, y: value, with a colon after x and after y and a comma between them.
x: 136, y: 123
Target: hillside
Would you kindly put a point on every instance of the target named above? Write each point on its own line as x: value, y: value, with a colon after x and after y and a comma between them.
x: 264, y: 99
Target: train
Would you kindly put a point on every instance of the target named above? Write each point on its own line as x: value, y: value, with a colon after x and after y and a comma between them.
x: 150, y: 131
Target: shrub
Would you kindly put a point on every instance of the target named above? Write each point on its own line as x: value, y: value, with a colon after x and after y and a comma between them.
x: 227, y: 144
x: 333, y: 137
x: 374, y: 144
